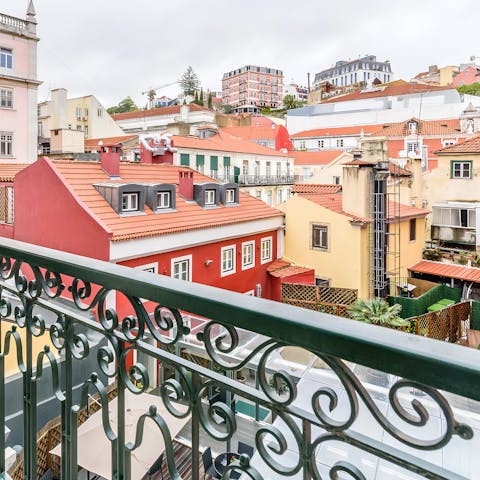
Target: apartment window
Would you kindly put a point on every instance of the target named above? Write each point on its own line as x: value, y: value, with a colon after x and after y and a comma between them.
x: 129, y: 202
x: 79, y: 128
x: 6, y: 58
x: 269, y: 198
x: 40, y: 129
x: 185, y: 159
x: 209, y: 197
x: 86, y: 130
x: 230, y: 195
x: 6, y: 97
x: 279, y: 197
x: 99, y: 112
x: 85, y: 112
x: 248, y: 255
x: 340, y: 142
x: 182, y: 268
x: 268, y: 169
x: 6, y: 204
x: 448, y: 143
x: 149, y: 267
x: 266, y: 250
x: 461, y: 169
x: 214, y: 166
x: 320, y: 237
x: 6, y: 144
x: 163, y: 200
x: 78, y: 113
x: 321, y: 143
x: 228, y: 260
x: 200, y: 161
x: 302, y: 145
x: 413, y: 147
x: 454, y: 217
x: 336, y: 180
x: 258, y: 194
x: 413, y: 229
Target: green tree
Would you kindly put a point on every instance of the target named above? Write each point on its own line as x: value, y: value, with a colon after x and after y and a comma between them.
x: 378, y: 312
x: 227, y: 109
x: 189, y: 82
x: 289, y: 102
x: 209, y: 101
x: 126, y: 105
x: 472, y: 89
x: 151, y: 95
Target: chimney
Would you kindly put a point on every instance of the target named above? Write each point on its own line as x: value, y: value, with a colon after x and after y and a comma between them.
x: 356, y: 188
x: 416, y: 190
x: 185, y: 184
x: 110, y: 159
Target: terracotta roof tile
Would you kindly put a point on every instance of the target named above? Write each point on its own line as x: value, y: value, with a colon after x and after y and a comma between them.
x: 394, y: 89
x: 315, y: 188
x: 9, y: 170
x: 322, y: 157
x: 92, y: 143
x: 290, y: 271
x: 225, y: 142
x: 468, y: 146
x: 470, y: 274
x: 81, y: 176
x: 154, y: 112
x: 275, y: 265
x: 425, y: 127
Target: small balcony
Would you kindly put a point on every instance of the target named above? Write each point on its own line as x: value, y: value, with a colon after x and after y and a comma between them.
x: 267, y: 179
x: 142, y: 374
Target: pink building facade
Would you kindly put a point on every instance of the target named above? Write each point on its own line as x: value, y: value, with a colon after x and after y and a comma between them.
x: 18, y: 88
x: 250, y: 88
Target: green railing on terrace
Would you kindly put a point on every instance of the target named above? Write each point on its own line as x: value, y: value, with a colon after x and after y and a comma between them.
x: 109, y: 301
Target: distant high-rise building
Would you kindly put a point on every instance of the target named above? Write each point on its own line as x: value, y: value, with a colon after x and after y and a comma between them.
x: 250, y: 88
x: 365, y: 69
x: 18, y: 88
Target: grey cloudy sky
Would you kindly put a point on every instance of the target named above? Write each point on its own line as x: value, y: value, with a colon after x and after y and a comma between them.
x: 115, y: 48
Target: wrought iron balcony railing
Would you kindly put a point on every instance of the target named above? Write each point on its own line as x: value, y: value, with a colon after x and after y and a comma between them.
x: 324, y: 379
x: 266, y: 179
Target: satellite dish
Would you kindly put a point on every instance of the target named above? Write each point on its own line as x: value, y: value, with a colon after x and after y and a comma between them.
x: 402, y: 153
x: 412, y: 154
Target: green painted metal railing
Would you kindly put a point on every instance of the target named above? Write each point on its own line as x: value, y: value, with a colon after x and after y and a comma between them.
x: 38, y: 277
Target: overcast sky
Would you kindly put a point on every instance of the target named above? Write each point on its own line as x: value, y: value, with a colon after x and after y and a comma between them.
x: 115, y: 48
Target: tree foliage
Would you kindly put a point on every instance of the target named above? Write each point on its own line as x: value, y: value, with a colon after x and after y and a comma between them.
x: 290, y: 103
x: 472, y: 89
x: 378, y: 312
x: 126, y: 105
x: 189, y: 82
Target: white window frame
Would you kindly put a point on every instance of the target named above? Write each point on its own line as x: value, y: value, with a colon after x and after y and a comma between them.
x: 6, y: 97
x: 179, y: 260
x: 6, y: 144
x: 228, y: 265
x: 248, y: 254
x: 266, y: 245
x: 230, y: 195
x: 5, y: 54
x: 210, y: 197
x: 340, y: 142
x: 410, y: 146
x: 161, y: 203
x: 149, y: 268
x: 132, y: 206
x: 449, y: 143
x: 462, y: 175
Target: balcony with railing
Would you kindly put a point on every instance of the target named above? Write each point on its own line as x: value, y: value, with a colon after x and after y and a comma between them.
x: 267, y: 179
x: 313, y: 395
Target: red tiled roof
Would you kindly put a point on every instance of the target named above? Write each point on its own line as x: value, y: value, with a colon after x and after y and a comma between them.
x: 315, y: 188
x: 425, y: 127
x: 276, y: 264
x: 322, y: 157
x: 393, y: 89
x: 468, y: 146
x: 225, y: 142
x: 334, y: 203
x: 81, y: 176
x: 92, y: 143
x: 290, y: 271
x: 154, y: 112
x: 337, y: 131
x: 253, y: 132
x: 470, y: 274
x: 9, y: 170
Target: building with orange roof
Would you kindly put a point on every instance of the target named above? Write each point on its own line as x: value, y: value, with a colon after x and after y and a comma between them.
x: 383, y: 104
x: 271, y: 135
x: 260, y: 171
x: 162, y: 218
x: 330, y: 228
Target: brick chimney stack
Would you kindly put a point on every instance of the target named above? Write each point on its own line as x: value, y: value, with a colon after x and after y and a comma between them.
x: 185, y: 184
x: 110, y: 159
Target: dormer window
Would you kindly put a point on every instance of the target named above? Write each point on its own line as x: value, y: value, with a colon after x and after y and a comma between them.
x: 163, y: 200
x: 230, y: 195
x: 412, y: 127
x: 209, y: 197
x: 130, y: 202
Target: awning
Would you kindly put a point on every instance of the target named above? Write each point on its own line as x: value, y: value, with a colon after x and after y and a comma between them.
x: 94, y: 449
x: 439, y: 269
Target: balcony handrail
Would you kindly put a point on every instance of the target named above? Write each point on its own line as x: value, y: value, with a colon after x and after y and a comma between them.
x: 438, y: 364
x: 12, y: 21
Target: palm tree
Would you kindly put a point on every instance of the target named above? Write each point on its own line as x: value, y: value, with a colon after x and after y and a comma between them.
x: 378, y: 312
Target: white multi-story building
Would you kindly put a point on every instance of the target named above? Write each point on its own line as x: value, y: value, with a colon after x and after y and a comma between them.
x: 365, y: 69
